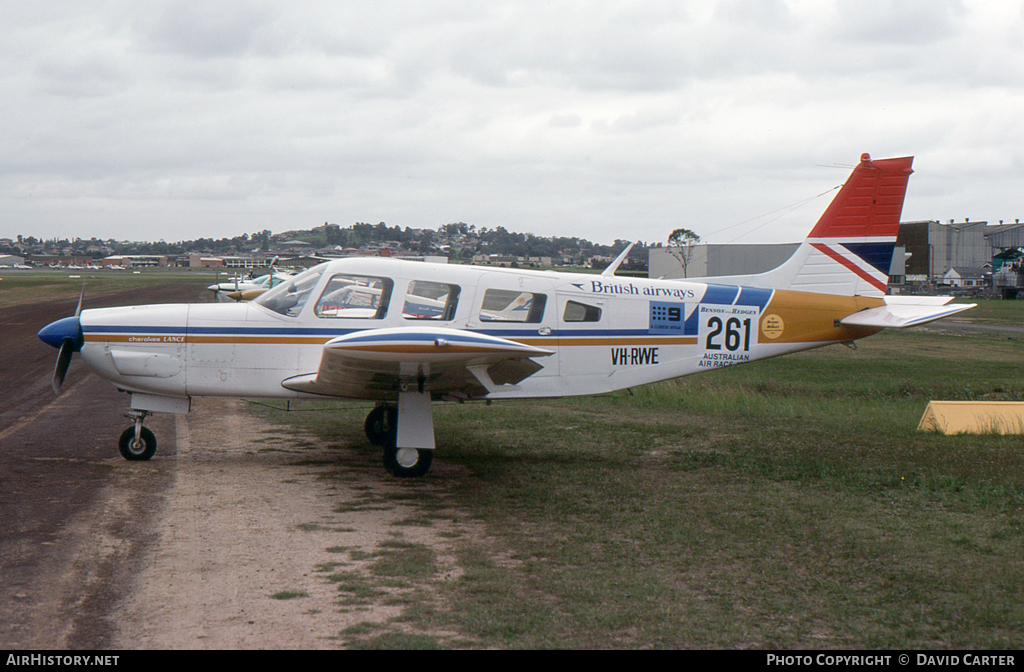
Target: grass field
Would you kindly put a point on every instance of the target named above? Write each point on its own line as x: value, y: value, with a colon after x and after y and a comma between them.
x: 788, y: 503
x: 21, y: 286
x: 992, y: 311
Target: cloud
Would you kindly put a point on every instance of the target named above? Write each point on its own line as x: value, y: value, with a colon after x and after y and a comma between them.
x: 898, y: 22
x: 559, y: 118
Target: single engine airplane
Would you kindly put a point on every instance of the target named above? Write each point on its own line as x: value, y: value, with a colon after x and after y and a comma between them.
x: 406, y: 334
x: 245, y: 289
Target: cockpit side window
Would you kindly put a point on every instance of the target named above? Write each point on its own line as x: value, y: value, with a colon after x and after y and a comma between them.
x: 430, y: 301
x: 290, y: 296
x: 580, y: 312
x: 355, y: 297
x: 502, y: 305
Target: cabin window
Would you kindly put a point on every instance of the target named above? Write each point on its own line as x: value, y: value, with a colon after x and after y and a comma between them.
x: 357, y: 297
x: 290, y: 296
x: 430, y: 301
x: 581, y: 312
x: 502, y: 305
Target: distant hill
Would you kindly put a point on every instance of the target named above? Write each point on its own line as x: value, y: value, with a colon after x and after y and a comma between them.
x: 458, y: 241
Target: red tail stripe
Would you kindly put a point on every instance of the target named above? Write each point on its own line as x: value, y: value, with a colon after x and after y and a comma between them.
x: 870, y: 203
x: 857, y: 270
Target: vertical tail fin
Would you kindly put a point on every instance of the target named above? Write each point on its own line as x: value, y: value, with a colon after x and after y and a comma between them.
x: 849, y: 251
x: 869, y: 204
x: 857, y: 233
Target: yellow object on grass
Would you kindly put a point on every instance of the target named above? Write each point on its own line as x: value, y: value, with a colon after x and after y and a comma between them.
x: 973, y: 417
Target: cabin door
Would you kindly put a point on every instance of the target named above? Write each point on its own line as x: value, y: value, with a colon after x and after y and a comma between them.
x: 520, y: 308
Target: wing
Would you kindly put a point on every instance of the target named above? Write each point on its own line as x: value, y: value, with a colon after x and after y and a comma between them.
x: 908, y: 311
x: 378, y: 363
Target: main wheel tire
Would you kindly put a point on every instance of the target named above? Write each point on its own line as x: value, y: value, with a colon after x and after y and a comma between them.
x: 133, y: 450
x: 407, y: 462
x: 381, y: 424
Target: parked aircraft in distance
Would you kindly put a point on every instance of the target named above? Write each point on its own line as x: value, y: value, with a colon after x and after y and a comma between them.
x: 238, y: 289
x: 406, y: 334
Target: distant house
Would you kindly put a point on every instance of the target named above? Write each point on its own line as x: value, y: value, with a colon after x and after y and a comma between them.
x: 960, y: 276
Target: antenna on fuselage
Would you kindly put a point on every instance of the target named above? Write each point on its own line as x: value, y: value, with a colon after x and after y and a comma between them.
x: 614, y: 266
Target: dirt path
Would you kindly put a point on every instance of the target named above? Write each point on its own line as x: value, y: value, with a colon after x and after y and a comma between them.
x: 236, y: 535
x: 252, y: 537
x: 73, y: 517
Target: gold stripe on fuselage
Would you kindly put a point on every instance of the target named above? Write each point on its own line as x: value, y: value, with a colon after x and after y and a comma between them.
x: 806, y: 317
x: 320, y: 340
x: 608, y: 340
x: 235, y: 340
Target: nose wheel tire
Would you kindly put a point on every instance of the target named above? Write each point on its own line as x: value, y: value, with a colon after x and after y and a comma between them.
x: 407, y: 462
x: 134, y: 449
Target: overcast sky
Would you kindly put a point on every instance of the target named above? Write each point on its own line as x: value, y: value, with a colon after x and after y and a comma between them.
x: 177, y: 120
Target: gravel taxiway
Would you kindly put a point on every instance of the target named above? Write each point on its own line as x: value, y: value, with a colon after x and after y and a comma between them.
x: 189, y: 550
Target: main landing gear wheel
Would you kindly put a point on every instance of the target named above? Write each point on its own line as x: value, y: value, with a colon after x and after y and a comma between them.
x: 134, y: 449
x: 382, y: 429
x: 407, y: 462
x: 381, y: 424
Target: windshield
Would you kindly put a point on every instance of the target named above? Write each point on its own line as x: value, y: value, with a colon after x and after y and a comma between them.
x: 260, y: 281
x: 290, y: 296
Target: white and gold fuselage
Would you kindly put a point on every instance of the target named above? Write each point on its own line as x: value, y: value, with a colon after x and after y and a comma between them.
x: 602, y: 333
x: 407, y: 333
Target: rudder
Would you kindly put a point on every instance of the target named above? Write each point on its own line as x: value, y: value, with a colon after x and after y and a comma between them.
x: 849, y: 251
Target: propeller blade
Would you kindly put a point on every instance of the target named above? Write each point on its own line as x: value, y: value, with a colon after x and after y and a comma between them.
x: 65, y: 334
x: 78, y: 310
x: 67, y: 348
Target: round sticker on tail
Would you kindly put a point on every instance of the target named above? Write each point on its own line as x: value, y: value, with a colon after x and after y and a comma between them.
x: 772, y: 326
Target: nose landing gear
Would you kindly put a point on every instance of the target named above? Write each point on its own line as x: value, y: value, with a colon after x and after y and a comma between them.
x: 137, y: 442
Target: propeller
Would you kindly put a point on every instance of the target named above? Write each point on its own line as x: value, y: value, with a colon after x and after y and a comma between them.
x: 65, y: 334
x: 67, y: 348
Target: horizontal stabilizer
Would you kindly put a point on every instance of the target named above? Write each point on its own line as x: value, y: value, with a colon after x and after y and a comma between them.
x: 901, y: 314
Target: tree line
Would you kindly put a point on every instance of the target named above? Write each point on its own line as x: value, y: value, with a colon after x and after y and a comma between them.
x: 458, y: 240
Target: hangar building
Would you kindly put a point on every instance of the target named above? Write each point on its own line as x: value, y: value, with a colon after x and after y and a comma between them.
x: 709, y: 261
x: 927, y: 252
